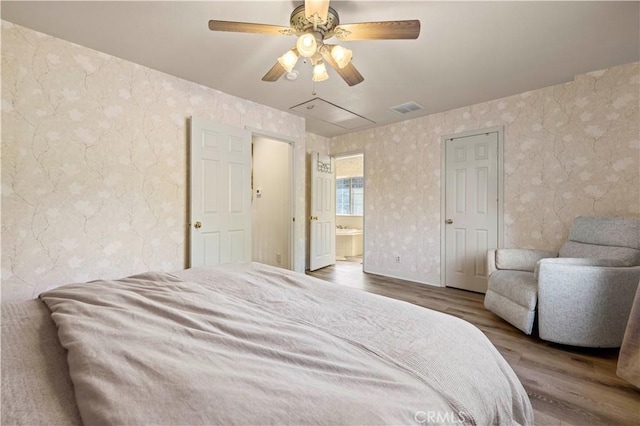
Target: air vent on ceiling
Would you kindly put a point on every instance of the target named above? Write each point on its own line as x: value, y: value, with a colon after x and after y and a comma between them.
x: 407, y: 108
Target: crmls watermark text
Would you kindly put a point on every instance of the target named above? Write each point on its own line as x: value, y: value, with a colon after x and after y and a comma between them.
x: 439, y: 417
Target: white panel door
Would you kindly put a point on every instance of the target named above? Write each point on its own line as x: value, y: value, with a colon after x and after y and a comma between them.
x: 220, y: 194
x: 322, y: 226
x: 471, y: 209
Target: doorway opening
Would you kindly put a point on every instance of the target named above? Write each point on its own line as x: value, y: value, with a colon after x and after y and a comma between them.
x: 271, y: 202
x: 350, y: 208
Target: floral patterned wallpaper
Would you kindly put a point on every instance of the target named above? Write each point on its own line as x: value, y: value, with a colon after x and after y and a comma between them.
x: 571, y: 149
x: 94, y: 155
x: 349, y: 166
x: 95, y: 150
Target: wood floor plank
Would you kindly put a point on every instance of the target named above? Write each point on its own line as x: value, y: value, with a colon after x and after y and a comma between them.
x: 566, y: 385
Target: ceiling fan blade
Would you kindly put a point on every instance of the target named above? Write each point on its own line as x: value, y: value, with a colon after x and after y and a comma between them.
x: 274, y: 73
x: 247, y: 27
x: 349, y: 73
x: 319, y: 8
x: 386, y: 30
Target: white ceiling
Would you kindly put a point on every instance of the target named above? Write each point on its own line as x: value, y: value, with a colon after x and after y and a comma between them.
x: 467, y: 52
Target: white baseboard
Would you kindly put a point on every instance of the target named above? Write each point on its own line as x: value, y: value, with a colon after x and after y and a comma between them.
x: 408, y: 276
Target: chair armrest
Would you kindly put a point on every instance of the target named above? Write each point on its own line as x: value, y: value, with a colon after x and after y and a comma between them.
x: 521, y: 259
x: 491, y: 262
x: 584, y: 304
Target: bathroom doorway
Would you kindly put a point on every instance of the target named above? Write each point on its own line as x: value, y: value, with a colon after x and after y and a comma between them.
x: 350, y: 207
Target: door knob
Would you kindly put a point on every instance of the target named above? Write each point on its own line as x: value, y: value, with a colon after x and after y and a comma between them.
x: 313, y: 218
x: 197, y: 225
x: 449, y: 221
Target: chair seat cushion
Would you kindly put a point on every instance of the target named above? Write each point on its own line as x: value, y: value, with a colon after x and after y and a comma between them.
x: 518, y: 286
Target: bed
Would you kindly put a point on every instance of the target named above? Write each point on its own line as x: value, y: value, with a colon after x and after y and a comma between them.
x: 246, y: 344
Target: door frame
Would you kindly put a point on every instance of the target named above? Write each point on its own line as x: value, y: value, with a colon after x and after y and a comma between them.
x: 443, y: 181
x: 364, y: 199
x: 255, y: 132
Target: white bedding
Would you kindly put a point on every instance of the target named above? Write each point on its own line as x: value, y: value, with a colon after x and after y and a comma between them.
x: 252, y: 344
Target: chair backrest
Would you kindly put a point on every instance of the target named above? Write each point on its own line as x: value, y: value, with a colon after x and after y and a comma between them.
x: 604, y: 238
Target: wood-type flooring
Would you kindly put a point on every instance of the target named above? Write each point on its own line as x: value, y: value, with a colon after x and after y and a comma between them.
x: 566, y: 385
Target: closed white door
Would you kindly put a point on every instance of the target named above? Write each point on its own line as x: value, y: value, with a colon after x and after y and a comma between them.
x: 220, y: 194
x: 471, y: 209
x: 322, y: 226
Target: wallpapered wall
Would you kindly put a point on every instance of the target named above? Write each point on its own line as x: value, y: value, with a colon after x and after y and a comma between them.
x: 95, y: 150
x: 350, y: 166
x: 94, y: 162
x: 571, y: 149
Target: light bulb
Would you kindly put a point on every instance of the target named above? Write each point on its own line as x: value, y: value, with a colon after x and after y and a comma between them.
x: 288, y: 60
x: 320, y: 72
x: 341, y: 55
x: 307, y: 45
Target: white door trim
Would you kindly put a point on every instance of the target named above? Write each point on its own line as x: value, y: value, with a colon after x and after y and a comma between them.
x: 443, y: 176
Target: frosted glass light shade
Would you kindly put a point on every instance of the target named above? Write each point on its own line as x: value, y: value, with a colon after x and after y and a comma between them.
x: 307, y: 45
x: 341, y: 55
x: 288, y: 60
x: 320, y: 72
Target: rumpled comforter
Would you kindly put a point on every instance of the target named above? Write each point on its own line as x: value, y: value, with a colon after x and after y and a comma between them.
x: 252, y: 344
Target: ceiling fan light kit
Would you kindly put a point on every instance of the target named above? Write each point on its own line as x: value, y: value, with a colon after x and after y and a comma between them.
x: 307, y: 44
x: 320, y: 72
x: 292, y: 75
x: 313, y: 23
x: 341, y: 55
x: 288, y: 60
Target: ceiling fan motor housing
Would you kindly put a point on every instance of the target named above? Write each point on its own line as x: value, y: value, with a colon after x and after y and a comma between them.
x: 301, y: 24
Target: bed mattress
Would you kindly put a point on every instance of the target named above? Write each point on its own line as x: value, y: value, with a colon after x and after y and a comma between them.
x: 246, y: 344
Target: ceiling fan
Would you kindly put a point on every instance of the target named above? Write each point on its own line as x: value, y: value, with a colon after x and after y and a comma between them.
x: 314, y: 22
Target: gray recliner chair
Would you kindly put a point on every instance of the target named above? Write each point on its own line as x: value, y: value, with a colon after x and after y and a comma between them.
x: 581, y: 298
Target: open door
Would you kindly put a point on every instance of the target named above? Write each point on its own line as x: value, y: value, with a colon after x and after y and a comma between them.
x: 220, y: 194
x: 322, y: 227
